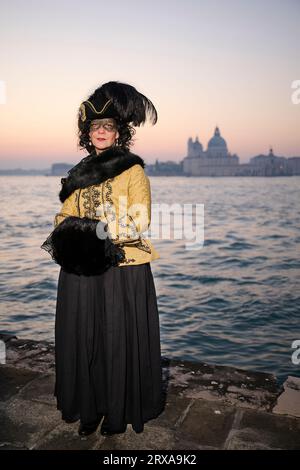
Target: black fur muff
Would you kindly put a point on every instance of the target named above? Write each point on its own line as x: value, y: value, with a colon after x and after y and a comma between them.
x: 76, y: 247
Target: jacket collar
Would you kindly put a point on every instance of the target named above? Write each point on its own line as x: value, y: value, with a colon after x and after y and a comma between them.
x: 95, y: 169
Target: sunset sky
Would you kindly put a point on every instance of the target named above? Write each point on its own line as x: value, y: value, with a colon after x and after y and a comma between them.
x: 203, y: 63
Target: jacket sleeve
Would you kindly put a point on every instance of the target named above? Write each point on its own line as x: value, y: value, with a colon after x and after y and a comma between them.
x: 135, y: 217
x: 68, y: 208
x: 139, y: 199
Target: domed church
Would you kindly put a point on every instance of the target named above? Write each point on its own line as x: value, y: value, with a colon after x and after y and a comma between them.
x: 215, y: 161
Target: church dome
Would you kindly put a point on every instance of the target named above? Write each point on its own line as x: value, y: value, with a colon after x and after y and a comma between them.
x: 217, y: 140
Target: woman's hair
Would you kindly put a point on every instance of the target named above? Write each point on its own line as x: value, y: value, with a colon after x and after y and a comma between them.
x: 126, y: 133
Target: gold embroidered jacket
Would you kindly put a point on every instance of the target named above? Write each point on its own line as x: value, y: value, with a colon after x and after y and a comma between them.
x: 124, y: 203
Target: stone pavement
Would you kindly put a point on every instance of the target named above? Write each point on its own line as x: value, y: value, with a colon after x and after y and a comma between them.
x: 206, y: 407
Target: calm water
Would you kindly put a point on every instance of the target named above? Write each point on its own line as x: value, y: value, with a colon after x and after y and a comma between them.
x: 233, y: 302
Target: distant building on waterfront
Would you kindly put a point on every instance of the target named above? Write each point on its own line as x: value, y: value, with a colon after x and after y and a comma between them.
x: 168, y: 168
x: 60, y: 169
x: 270, y: 165
x: 217, y: 161
x: 294, y: 165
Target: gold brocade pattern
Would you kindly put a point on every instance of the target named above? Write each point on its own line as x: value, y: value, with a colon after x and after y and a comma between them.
x: 110, y: 212
x: 108, y: 203
x: 92, y: 200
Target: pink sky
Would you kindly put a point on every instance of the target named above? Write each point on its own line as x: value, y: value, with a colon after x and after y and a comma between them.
x: 202, y: 63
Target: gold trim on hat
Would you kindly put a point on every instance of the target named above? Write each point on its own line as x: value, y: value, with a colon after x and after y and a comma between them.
x: 82, y: 108
x: 102, y: 110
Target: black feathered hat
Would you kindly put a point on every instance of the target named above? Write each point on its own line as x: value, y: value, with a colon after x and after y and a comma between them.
x: 119, y: 101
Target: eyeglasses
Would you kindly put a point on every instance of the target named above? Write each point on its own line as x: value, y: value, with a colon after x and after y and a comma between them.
x: 108, y: 126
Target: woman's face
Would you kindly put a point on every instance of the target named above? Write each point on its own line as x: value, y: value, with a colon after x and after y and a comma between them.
x: 103, y: 133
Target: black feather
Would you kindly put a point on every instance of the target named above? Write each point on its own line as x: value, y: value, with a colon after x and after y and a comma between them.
x: 132, y: 106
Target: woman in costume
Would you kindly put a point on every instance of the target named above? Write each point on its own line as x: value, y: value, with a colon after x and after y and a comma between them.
x: 107, y: 335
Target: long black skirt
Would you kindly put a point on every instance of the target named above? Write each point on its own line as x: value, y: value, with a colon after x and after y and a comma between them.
x: 107, y: 347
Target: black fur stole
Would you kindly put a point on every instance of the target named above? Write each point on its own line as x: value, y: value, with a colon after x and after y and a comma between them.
x: 95, y: 169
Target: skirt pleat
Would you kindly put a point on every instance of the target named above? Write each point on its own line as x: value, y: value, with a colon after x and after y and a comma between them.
x: 107, y: 347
